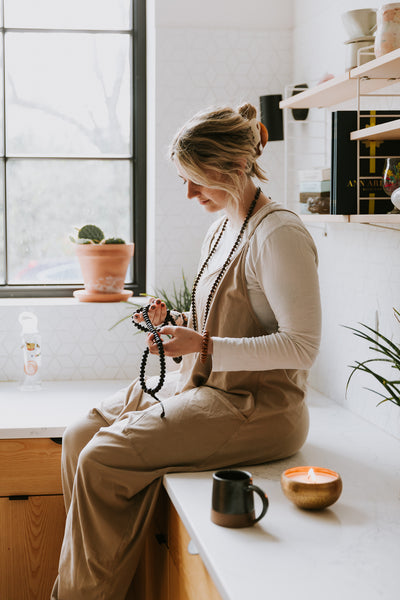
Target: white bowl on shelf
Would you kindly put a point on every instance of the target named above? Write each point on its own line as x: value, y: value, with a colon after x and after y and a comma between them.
x: 359, y: 23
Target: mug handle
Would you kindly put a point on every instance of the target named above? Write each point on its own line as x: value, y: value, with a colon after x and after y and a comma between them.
x: 264, y: 500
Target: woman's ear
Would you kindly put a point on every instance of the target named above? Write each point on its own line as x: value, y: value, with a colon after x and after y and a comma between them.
x: 241, y: 165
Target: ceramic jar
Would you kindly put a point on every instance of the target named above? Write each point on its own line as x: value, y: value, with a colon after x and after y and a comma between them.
x: 359, y: 23
x: 388, y: 29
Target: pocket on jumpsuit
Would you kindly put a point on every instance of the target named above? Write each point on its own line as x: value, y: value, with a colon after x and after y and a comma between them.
x: 197, y: 424
x: 239, y: 404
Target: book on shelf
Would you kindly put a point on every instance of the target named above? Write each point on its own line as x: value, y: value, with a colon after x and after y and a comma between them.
x: 373, y: 154
x: 315, y: 186
x: 305, y: 196
x: 316, y: 174
x: 314, y: 203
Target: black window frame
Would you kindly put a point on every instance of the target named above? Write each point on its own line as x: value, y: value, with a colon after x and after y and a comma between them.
x: 138, y: 170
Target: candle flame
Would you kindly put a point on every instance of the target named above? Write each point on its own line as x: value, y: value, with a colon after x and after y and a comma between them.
x: 311, y: 476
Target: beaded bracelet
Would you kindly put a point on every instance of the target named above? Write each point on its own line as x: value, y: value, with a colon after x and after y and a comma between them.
x: 179, y: 317
x: 204, y: 347
x: 174, y: 316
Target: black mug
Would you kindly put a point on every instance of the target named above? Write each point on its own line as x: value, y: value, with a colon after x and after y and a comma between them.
x: 232, y: 499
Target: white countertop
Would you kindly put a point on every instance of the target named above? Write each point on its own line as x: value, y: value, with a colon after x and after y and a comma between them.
x: 47, y: 412
x: 349, y: 551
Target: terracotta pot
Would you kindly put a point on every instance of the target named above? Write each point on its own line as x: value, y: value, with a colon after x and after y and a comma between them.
x: 104, y: 268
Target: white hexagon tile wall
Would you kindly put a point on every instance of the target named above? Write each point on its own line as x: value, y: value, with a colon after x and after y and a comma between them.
x: 197, y: 68
x: 76, y: 341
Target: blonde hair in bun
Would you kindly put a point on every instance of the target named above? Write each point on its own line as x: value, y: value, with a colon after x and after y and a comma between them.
x: 247, y: 111
x: 218, y: 146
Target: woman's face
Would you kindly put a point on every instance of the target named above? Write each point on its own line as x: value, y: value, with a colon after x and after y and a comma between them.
x: 212, y: 199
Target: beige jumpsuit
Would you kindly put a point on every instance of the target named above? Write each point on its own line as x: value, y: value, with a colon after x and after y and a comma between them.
x: 114, y: 460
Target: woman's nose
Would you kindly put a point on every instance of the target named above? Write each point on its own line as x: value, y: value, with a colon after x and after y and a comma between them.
x: 192, y: 190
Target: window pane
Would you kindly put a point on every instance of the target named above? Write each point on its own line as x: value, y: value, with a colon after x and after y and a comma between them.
x: 67, y: 14
x: 2, y: 240
x: 1, y: 99
x: 47, y: 199
x: 68, y: 94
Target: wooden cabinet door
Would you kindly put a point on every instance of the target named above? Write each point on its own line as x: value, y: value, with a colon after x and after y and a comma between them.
x: 31, y: 533
x: 30, y: 467
x: 187, y: 576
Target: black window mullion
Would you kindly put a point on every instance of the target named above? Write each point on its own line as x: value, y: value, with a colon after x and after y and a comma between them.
x: 139, y: 169
x: 4, y: 161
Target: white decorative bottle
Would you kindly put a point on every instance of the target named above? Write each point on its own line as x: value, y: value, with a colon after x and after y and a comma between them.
x: 31, y: 351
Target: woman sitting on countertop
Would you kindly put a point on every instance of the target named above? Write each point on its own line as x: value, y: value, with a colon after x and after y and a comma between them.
x: 252, y: 334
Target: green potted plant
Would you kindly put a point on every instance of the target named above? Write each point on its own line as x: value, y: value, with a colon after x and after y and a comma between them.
x: 104, y: 263
x: 386, y: 352
x: 178, y: 299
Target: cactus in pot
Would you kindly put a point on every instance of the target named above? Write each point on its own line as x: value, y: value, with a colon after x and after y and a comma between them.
x: 104, y: 263
x: 91, y: 234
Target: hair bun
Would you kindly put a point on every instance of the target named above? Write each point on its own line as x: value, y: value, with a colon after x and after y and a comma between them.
x: 247, y: 111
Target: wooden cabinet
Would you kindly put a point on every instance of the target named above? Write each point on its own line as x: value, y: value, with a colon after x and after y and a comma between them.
x: 168, y: 570
x: 32, y: 518
x: 188, y: 577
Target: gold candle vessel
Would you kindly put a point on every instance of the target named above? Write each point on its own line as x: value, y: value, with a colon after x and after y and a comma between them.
x: 313, y: 488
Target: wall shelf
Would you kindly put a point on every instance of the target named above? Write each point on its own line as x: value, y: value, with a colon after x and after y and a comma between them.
x: 334, y: 91
x: 381, y: 220
x: 375, y: 219
x: 386, y: 68
x: 385, y: 131
x: 317, y: 218
x: 370, y: 77
x: 373, y: 75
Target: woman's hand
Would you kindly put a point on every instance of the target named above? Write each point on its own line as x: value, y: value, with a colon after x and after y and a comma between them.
x: 182, y: 341
x: 157, y: 312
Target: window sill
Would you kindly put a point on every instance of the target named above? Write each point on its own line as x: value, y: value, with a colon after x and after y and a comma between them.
x: 64, y: 301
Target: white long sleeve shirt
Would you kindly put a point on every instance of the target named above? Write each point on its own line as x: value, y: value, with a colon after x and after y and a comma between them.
x: 282, y: 282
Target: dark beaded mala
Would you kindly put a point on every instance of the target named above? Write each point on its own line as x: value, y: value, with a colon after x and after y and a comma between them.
x: 224, y: 266
x: 151, y: 329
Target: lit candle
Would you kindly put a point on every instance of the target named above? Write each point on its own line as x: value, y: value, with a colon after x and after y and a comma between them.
x: 311, y: 487
x: 312, y: 477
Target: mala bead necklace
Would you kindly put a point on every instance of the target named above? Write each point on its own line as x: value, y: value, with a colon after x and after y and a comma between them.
x: 169, y: 319
x: 222, y: 271
x: 151, y: 329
